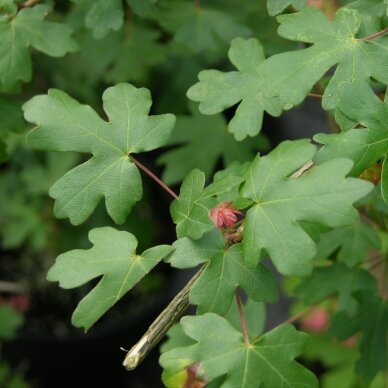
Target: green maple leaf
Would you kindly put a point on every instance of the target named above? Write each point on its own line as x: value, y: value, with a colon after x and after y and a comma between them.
x: 214, y: 289
x: 140, y: 50
x: 371, y: 319
x: 278, y: 6
x: 218, y: 90
x: 66, y: 125
x: 189, y: 211
x: 335, y: 279
x: 211, y: 137
x: 323, y: 196
x: 102, y: 16
x: 290, y: 76
x: 29, y: 29
x: 365, y: 146
x: 372, y: 13
x: 267, y: 362
x: 178, y: 375
x: 197, y: 27
x: 113, y: 256
x: 350, y: 242
x: 283, y: 80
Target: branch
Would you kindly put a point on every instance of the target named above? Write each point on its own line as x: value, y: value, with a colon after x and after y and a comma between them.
x: 171, y: 314
x: 11, y: 287
x: 306, y: 167
x: 315, y: 95
x: 29, y: 3
x: 370, y: 37
x: 298, y: 315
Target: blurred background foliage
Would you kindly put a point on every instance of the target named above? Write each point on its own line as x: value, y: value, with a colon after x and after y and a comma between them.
x: 158, y: 44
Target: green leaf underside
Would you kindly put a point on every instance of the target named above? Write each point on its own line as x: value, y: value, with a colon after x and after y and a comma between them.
x: 66, y: 125
x: 323, y: 195
x: 335, y: 279
x: 352, y: 243
x: 371, y: 319
x: 278, y: 6
x: 189, y: 213
x: 224, y: 272
x: 283, y: 80
x: 113, y: 256
x: 267, y: 362
x: 29, y: 29
x: 365, y: 146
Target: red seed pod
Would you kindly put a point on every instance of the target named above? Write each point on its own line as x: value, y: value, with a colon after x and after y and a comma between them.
x: 224, y: 215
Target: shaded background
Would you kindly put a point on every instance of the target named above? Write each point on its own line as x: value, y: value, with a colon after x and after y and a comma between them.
x: 46, y: 349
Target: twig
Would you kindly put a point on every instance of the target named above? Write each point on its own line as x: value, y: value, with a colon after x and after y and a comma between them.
x: 154, y: 177
x: 11, y: 287
x: 315, y: 95
x: 306, y: 167
x: 171, y: 314
x: 375, y: 262
x: 298, y: 315
x: 242, y: 318
x: 370, y: 37
x: 29, y: 3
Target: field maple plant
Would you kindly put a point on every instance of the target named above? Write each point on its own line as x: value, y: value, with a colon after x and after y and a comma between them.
x: 312, y: 210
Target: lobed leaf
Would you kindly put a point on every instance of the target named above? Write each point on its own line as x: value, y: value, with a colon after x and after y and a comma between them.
x: 268, y: 361
x: 278, y: 6
x: 189, y: 211
x: 293, y: 74
x: 217, y: 90
x: 367, y: 145
x: 350, y: 243
x: 284, y: 80
x: 323, y: 196
x: 29, y: 29
x: 66, y: 125
x: 332, y: 280
x: 225, y: 271
x: 113, y: 256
